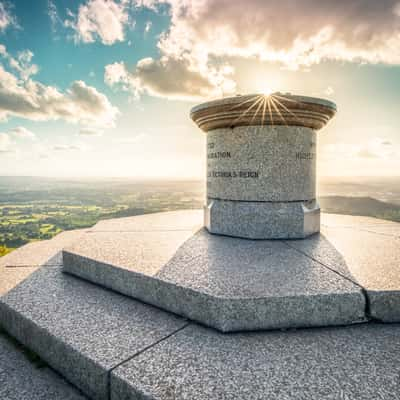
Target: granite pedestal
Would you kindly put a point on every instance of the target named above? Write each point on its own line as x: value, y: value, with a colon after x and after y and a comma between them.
x: 261, y: 164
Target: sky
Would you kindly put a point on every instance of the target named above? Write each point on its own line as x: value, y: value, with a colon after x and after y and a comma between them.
x: 95, y: 88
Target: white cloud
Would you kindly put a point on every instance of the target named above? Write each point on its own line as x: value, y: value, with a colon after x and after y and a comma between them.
x: 296, y: 34
x: 22, y: 64
x: 171, y: 78
x: 22, y: 133
x: 7, y: 19
x: 26, y: 98
x: 329, y: 91
x: 204, y: 34
x: 103, y: 19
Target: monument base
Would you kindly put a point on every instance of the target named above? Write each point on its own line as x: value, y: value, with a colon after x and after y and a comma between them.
x: 262, y: 220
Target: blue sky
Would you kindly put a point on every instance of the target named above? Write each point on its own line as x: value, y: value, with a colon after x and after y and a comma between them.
x: 104, y: 87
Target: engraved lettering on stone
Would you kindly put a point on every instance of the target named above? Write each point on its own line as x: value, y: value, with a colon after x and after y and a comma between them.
x: 233, y: 174
x: 304, y: 156
x: 220, y: 154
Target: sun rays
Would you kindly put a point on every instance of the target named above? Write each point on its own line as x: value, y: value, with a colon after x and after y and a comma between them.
x: 269, y: 107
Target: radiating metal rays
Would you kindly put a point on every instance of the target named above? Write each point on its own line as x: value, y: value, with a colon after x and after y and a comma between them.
x: 271, y: 102
x: 262, y: 109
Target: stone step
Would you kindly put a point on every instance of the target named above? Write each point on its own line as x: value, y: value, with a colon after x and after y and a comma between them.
x: 80, y: 329
x: 113, y: 347
x: 352, y: 363
x: 230, y: 284
x: 24, y: 378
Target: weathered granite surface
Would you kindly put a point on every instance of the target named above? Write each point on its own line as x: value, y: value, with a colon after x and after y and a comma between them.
x: 80, y: 329
x: 369, y: 258
x: 19, y: 264
x: 261, y: 163
x: 88, y: 329
x: 22, y: 379
x: 262, y: 149
x: 228, y: 283
x: 38, y: 253
x: 352, y: 363
x: 189, y: 220
x: 262, y: 220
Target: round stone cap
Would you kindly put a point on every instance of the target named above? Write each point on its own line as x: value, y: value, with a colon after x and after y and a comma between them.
x: 260, y: 109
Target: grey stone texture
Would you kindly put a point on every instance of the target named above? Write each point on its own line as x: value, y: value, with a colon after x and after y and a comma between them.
x: 261, y: 163
x: 164, y: 221
x: 352, y: 363
x: 35, y: 254
x: 80, y: 329
x: 111, y: 346
x: 20, y: 263
x: 262, y: 150
x: 366, y: 255
x: 262, y: 220
x: 228, y: 283
x: 23, y: 379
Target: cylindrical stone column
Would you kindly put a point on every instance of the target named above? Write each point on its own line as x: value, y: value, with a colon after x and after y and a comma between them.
x: 261, y: 164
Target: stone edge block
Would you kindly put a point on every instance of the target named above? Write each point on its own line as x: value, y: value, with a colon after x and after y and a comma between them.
x: 262, y: 220
x: 74, y: 362
x: 224, y: 314
x: 86, y: 374
x: 384, y: 305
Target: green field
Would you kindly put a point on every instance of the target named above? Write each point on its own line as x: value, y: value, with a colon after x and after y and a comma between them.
x: 37, y: 209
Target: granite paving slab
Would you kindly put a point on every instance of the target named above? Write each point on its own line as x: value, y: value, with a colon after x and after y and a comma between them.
x: 22, y: 379
x: 339, y: 220
x: 35, y: 254
x: 371, y: 260
x: 351, y: 363
x: 227, y: 283
x: 20, y: 263
x: 80, y: 329
x: 10, y: 277
x: 164, y: 221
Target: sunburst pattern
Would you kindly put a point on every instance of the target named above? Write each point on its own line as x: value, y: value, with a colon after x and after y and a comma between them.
x: 263, y: 109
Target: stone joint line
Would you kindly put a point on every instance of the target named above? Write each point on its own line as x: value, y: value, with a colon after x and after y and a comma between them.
x: 138, y: 353
x: 363, y: 290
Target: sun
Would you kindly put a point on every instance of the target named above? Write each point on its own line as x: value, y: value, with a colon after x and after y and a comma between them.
x: 266, y: 90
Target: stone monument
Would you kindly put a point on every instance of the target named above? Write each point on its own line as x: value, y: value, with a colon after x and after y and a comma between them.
x: 261, y: 164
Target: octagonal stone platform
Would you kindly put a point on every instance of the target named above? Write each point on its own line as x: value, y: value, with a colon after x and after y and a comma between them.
x: 230, y: 284
x: 112, y: 347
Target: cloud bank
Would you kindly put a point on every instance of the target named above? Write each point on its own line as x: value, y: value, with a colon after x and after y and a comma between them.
x: 294, y: 33
x: 204, y: 33
x: 173, y: 78
x: 103, y: 19
x: 24, y: 97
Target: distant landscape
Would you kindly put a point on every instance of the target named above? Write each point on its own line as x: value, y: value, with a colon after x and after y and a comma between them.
x: 38, y: 208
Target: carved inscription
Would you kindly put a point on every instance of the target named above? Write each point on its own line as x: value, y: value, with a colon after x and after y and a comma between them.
x: 212, y: 155
x: 300, y: 155
x: 233, y: 174
x: 219, y: 154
